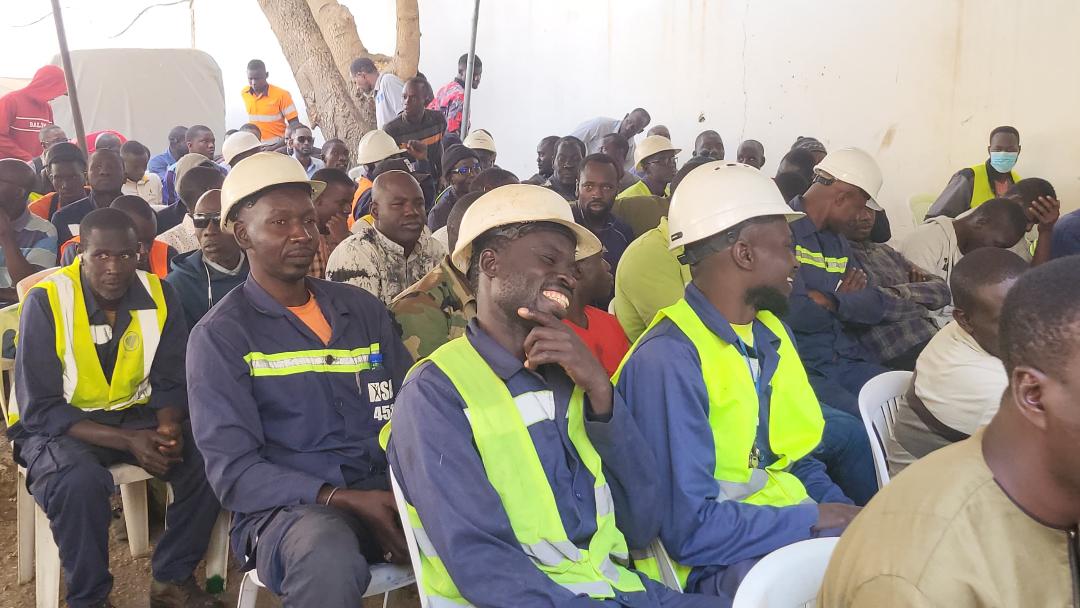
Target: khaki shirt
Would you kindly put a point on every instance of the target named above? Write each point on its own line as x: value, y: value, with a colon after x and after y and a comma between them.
x: 944, y: 534
x: 370, y: 260
x: 434, y: 310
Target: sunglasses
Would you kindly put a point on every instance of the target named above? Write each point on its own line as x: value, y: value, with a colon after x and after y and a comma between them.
x: 466, y: 170
x: 203, y: 220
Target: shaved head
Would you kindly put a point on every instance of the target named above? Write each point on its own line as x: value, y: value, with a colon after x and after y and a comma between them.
x: 17, y: 172
x: 16, y: 180
x: 397, y: 204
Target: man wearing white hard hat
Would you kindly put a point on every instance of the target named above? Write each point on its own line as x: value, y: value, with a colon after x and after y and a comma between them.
x: 654, y: 160
x: 375, y: 147
x: 520, y: 413
x: 830, y: 289
x: 290, y: 381
x: 481, y: 142
x: 238, y: 146
x: 716, y: 386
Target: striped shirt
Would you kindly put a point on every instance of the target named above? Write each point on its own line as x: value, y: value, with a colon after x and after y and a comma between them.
x: 37, y: 242
x: 429, y: 130
x: 271, y: 111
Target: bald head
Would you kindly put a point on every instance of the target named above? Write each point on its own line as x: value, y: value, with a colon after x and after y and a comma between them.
x: 752, y: 153
x: 397, y: 204
x: 16, y: 180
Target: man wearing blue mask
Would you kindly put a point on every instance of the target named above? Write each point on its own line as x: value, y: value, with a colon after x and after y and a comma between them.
x: 973, y: 186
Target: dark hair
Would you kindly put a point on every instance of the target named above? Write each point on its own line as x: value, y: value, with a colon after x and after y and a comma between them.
x: 136, y: 205
x: 334, y: 176
x: 293, y: 127
x: 463, y: 61
x: 619, y: 142
x: 600, y: 159
x: 132, y: 147
x: 65, y: 152
x: 803, y: 161
x: 419, y: 81
x: 363, y: 65
x: 105, y: 218
x: 196, y: 130
x: 196, y: 182
x: 810, y: 144
x: 571, y: 139
x: 453, y: 220
x: 1004, y: 212
x: 251, y: 128
x: 791, y: 184
x: 256, y: 64
x: 983, y: 267
x: 179, y: 132
x: 685, y: 170
x: 492, y: 178
x: 550, y: 140
x: 1029, y: 189
x: 333, y: 141
x: 499, y: 236
x: 648, y: 117
x: 1040, y: 320
x: 1005, y: 129
x: 703, y: 135
x: 389, y: 164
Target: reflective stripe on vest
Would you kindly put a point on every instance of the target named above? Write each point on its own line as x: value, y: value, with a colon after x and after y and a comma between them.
x: 795, y: 421
x: 84, y: 382
x: 818, y: 260
x: 317, y: 360
x: 981, y: 189
x: 513, y: 468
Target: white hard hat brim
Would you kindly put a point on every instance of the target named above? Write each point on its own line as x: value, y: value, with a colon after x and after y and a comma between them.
x: 587, y: 243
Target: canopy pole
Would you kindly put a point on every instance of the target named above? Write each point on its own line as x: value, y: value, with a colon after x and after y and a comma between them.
x: 468, y: 72
x: 69, y: 75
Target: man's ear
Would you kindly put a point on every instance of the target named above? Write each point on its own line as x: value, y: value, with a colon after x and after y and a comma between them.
x: 743, y: 255
x: 489, y: 262
x: 961, y: 317
x: 241, y: 235
x: 1027, y: 386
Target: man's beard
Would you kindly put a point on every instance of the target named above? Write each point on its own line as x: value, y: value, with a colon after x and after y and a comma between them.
x: 767, y: 298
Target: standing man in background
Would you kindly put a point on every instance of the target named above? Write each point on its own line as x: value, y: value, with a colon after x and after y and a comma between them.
x: 592, y: 132
x: 24, y: 112
x: 973, y: 186
x: 450, y: 100
x: 386, y: 86
x: 269, y: 107
x: 177, y: 147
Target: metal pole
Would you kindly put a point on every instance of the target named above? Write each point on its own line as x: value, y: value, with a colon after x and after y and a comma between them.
x: 69, y: 75
x: 468, y: 72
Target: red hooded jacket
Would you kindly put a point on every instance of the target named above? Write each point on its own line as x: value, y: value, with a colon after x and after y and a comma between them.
x: 24, y: 112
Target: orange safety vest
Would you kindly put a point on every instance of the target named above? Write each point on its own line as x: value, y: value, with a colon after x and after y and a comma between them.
x: 159, y: 256
x: 362, y: 185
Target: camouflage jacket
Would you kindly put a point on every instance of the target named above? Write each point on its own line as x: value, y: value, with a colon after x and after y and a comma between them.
x: 371, y: 261
x: 434, y: 311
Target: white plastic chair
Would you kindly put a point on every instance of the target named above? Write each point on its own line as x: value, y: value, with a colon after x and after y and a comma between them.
x: 877, y: 406
x: 410, y: 537
x: 789, y: 577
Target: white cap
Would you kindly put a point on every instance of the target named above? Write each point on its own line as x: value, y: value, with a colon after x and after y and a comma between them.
x: 856, y: 167
x: 238, y: 143
x: 480, y: 140
x: 515, y: 204
x: 653, y: 144
x: 374, y: 146
x: 720, y: 195
x: 260, y: 171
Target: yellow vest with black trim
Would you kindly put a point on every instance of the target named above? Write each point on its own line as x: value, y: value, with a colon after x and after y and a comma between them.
x: 85, y: 385
x: 513, y: 467
x: 981, y: 189
x: 795, y: 421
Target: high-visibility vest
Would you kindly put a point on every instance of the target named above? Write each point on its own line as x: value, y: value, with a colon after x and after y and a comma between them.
x: 513, y: 467
x: 981, y: 190
x: 85, y: 385
x: 795, y: 421
x: 159, y: 255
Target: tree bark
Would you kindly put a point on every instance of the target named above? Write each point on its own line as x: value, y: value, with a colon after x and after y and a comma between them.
x: 407, y: 49
x: 329, y: 97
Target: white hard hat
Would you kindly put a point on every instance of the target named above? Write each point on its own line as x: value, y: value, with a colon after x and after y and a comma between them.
x: 653, y: 144
x: 374, y: 146
x: 720, y: 195
x: 515, y: 204
x: 480, y: 140
x: 856, y: 167
x: 260, y: 171
x: 238, y: 143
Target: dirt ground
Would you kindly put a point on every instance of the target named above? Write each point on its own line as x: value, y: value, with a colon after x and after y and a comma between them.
x: 132, y: 575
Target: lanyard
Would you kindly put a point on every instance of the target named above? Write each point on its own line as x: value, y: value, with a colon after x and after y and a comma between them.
x: 746, y: 356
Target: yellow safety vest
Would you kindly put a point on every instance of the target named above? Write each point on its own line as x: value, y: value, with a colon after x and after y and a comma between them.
x: 85, y: 385
x: 795, y: 421
x: 981, y: 190
x: 513, y: 467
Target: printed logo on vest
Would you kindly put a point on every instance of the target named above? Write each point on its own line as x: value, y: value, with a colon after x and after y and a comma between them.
x: 131, y: 342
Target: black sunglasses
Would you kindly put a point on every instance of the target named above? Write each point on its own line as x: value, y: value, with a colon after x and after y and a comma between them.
x: 203, y: 220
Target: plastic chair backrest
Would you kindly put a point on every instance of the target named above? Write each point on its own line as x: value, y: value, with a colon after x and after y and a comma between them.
x: 878, y: 402
x: 665, y: 565
x: 920, y: 204
x: 788, y: 577
x: 410, y: 537
x: 24, y: 285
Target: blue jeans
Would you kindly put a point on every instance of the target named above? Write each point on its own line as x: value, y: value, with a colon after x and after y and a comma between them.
x: 845, y: 450
x: 838, y: 383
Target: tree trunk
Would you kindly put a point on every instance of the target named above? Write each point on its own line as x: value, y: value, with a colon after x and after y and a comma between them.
x: 328, y: 96
x: 407, y: 50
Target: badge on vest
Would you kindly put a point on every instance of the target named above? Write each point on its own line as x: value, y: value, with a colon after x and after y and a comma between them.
x: 755, y: 458
x: 131, y: 341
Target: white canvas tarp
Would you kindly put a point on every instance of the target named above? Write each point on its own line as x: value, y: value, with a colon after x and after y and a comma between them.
x: 142, y: 93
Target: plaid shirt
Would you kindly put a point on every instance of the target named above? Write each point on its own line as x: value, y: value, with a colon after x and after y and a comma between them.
x: 318, y: 263
x: 908, y: 321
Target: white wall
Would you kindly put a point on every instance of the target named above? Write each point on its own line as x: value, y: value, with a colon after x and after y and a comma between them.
x: 917, y: 83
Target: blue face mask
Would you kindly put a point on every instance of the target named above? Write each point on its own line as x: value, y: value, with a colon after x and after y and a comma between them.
x: 1003, y: 162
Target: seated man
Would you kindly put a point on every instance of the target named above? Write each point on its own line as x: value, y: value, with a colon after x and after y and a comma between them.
x: 618, y: 147
x: 655, y: 161
x: 939, y: 243
x: 959, y: 378
x: 106, y: 177
x: 751, y: 152
x: 65, y: 168
x: 308, y: 486
x: 968, y: 188
x: 107, y: 386
x: 708, y: 145
x: 27, y: 242
x: 909, y: 294
x: 992, y: 520
x: 438, y: 307
x: 397, y: 250
x: 1066, y: 236
x: 520, y: 412
x: 735, y: 458
x: 569, y: 153
x: 154, y: 256
x: 461, y: 165
x: 191, y: 185
x: 597, y: 177
x: 332, y: 215
x: 598, y: 329
x: 545, y: 160
x: 137, y: 180
x: 202, y: 277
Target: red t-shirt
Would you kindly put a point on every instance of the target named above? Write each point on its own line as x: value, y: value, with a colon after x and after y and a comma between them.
x: 605, y: 338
